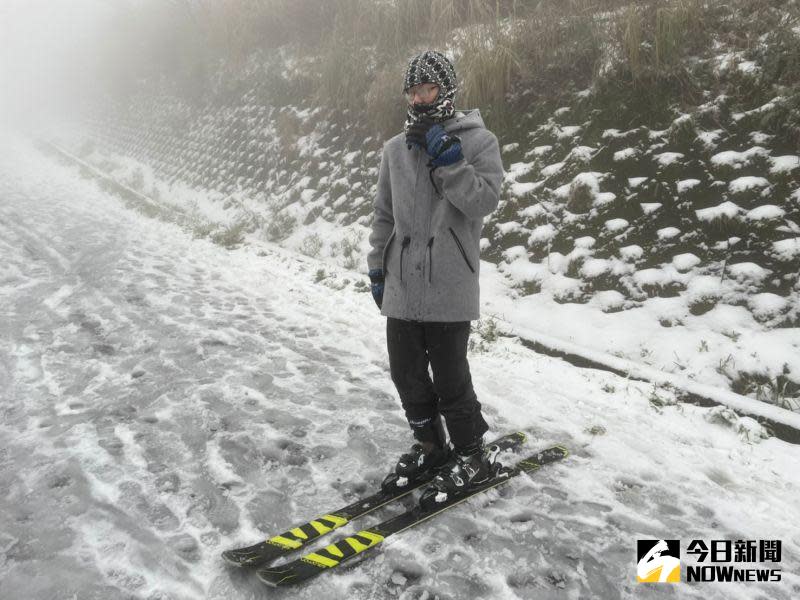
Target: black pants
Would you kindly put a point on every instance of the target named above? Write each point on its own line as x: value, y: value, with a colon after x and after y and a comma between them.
x: 412, y: 346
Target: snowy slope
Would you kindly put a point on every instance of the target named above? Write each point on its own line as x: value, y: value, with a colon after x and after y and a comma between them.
x: 690, y: 253
x: 164, y: 399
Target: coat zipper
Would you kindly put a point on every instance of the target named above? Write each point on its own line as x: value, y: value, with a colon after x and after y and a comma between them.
x: 406, y: 242
x: 430, y: 259
x: 461, y: 248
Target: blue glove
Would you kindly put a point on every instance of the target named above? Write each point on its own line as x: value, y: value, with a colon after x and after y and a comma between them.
x: 376, y: 285
x: 445, y: 149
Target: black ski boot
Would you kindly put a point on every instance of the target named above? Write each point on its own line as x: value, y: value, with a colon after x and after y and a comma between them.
x: 421, y: 463
x: 464, y: 472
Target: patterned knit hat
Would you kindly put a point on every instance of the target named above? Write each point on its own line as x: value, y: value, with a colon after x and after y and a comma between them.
x: 431, y: 67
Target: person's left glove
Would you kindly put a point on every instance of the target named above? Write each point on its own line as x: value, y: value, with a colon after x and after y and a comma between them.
x: 376, y: 285
x: 443, y: 148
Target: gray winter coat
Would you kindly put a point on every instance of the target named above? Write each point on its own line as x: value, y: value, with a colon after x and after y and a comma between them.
x: 426, y: 243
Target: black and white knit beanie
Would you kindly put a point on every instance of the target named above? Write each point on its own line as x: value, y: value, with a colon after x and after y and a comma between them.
x: 431, y: 67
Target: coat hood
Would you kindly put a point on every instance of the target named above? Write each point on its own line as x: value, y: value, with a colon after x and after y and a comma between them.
x: 464, y: 119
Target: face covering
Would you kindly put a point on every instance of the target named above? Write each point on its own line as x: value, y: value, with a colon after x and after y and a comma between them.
x: 431, y: 67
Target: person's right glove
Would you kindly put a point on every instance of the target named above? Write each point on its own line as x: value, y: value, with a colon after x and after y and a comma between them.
x: 376, y: 285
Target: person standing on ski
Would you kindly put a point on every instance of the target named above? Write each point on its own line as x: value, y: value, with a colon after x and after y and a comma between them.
x: 438, y: 179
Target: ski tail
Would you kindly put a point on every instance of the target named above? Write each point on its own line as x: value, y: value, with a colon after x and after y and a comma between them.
x: 333, y: 555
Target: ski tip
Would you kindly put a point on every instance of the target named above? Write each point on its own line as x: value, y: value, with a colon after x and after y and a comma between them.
x: 544, y: 457
x: 235, y: 559
x: 258, y: 555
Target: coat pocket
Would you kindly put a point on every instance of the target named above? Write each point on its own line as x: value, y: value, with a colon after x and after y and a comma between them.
x: 461, y: 249
x: 406, y: 242
x: 386, y: 250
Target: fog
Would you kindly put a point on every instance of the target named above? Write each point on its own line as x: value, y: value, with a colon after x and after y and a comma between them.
x: 51, y: 52
x: 60, y: 56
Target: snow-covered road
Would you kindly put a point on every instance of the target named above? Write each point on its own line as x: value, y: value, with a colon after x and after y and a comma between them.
x: 164, y: 399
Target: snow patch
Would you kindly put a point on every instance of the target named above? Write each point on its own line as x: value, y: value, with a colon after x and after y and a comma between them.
x: 784, y: 164
x: 509, y: 227
x: 725, y: 210
x: 631, y: 253
x: 668, y: 233
x: 521, y: 189
x: 608, y: 300
x: 550, y: 170
x: 765, y: 212
x: 743, y: 184
x: 615, y: 225
x: 787, y: 250
x: 747, y: 272
x: 518, y: 169
x: 650, y: 207
x: 542, y: 234
x: 685, y: 262
x: 737, y: 160
x: 626, y: 154
x: 687, y: 184
x: 567, y: 131
x: 709, y: 138
x: 634, y: 182
x: 766, y: 305
x: 667, y: 158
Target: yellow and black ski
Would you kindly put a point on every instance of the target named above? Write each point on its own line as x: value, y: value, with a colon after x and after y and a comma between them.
x: 344, y: 549
x: 293, y: 539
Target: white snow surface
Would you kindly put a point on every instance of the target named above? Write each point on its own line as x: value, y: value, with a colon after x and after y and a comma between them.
x: 631, y: 252
x: 685, y: 262
x: 667, y: 158
x: 165, y: 399
x: 765, y: 212
x: 667, y: 233
x: 616, y: 224
x: 634, y: 182
x: 784, y: 164
x: 788, y: 249
x: 687, y: 184
x: 737, y: 160
x: 626, y: 154
x: 727, y: 209
x: 743, y: 184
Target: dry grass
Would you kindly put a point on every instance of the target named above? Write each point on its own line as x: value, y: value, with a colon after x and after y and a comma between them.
x: 364, y: 56
x: 488, y: 65
x: 385, y: 105
x: 502, y: 47
x: 654, y: 38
